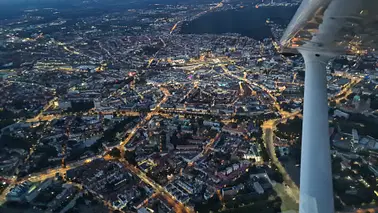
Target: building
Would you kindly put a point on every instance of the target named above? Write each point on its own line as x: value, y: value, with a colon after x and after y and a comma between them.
x: 373, y: 169
x: 143, y: 210
x: 253, y: 154
x: 18, y: 193
x: 34, y: 192
x: 355, y: 139
x: 258, y: 188
x: 239, y: 131
x: 188, y: 188
x: 231, y: 191
x: 63, y: 104
x: 187, y: 147
x: 356, y: 101
x: 338, y: 113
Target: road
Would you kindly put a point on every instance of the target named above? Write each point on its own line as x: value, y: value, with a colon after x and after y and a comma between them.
x: 177, y: 206
x: 346, y: 91
x: 41, y: 176
x: 40, y: 115
x: 250, y: 83
x: 268, y: 135
x: 211, y: 143
x: 154, y: 112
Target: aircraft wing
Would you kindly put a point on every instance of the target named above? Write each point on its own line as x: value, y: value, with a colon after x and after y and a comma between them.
x: 340, y: 26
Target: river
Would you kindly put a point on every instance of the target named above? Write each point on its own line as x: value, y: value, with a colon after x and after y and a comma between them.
x: 249, y: 21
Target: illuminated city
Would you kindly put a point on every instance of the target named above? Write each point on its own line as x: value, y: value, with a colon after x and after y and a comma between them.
x: 171, y: 106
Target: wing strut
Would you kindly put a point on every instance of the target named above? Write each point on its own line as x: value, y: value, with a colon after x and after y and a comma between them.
x: 316, y: 191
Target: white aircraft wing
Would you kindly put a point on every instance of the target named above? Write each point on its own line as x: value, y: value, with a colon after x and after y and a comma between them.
x: 335, y: 25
